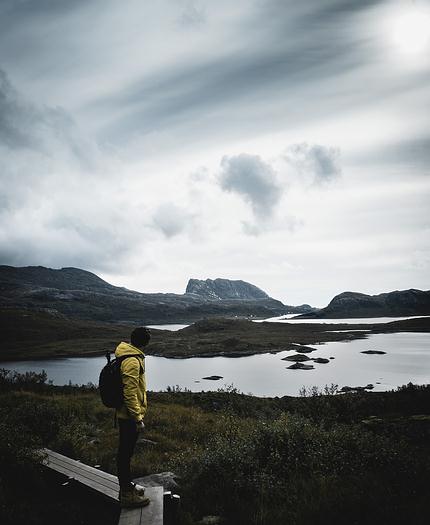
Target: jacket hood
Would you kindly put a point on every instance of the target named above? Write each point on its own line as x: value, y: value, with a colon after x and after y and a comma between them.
x: 127, y: 349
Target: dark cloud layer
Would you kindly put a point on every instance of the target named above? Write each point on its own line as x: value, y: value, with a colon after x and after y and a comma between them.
x: 413, y: 152
x: 43, y: 130
x: 275, y: 62
x: 25, y: 8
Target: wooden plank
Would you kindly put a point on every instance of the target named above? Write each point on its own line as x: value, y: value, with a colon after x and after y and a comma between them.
x: 152, y: 514
x: 84, y: 474
x: 107, y: 484
x: 112, y: 494
x: 107, y: 480
x: 131, y: 516
x: 98, y: 472
x: 76, y: 468
x: 80, y: 475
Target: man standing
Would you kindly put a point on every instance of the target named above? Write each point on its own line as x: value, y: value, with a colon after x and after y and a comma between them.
x: 130, y: 415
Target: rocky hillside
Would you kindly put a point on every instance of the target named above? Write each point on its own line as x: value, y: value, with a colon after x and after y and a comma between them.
x: 225, y: 289
x: 392, y: 304
x: 80, y: 294
x: 64, y: 279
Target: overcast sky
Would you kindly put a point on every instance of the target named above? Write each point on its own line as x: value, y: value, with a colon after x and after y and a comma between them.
x: 280, y: 142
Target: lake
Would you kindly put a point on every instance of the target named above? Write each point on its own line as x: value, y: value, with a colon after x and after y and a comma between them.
x: 407, y: 360
x: 353, y: 320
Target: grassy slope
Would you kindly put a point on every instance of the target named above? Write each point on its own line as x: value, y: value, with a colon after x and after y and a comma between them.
x: 356, y: 458
x: 30, y: 334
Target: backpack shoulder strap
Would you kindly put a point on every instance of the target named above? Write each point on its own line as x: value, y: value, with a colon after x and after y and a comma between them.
x: 124, y: 357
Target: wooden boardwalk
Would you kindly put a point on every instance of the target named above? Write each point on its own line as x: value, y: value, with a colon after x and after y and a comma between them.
x: 107, y: 485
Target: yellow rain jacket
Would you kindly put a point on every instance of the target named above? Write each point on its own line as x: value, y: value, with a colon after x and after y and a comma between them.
x: 133, y: 379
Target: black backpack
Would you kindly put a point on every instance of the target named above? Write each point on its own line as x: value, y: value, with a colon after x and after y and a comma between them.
x: 110, y: 381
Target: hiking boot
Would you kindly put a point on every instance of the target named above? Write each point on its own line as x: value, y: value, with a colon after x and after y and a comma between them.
x: 138, y: 488
x: 132, y: 498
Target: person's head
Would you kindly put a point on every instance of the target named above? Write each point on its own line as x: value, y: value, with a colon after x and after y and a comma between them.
x: 140, y: 336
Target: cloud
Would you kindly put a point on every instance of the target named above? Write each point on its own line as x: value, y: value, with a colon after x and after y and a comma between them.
x: 254, y: 180
x: 315, y: 164
x: 56, y: 203
x: 218, y: 78
x: 413, y: 152
x: 193, y: 14
x: 259, y: 184
x: 172, y: 219
x: 200, y: 174
x: 43, y: 130
x: 283, y: 46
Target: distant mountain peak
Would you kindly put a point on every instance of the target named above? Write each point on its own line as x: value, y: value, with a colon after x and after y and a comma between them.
x: 225, y: 289
x: 389, y: 304
x: 68, y: 278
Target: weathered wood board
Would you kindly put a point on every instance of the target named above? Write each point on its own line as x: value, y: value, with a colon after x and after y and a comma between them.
x: 107, y: 485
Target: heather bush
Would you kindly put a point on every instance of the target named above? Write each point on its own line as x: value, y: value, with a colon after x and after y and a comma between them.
x: 291, y: 469
x: 317, y: 459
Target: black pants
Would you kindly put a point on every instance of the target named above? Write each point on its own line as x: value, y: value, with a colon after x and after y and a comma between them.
x: 127, y: 442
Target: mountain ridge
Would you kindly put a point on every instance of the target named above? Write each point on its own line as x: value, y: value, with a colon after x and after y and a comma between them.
x: 80, y: 294
x: 225, y: 289
x: 386, y: 304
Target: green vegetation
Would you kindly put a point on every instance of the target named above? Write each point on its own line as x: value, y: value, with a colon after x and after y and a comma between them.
x: 31, y: 334
x: 320, y: 458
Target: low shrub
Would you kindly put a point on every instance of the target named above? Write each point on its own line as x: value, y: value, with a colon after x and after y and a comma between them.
x: 291, y: 469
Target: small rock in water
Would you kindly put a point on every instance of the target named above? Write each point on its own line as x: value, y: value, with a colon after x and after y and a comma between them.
x: 300, y: 366
x: 320, y: 360
x: 304, y: 349
x: 213, y: 378
x: 356, y: 388
x: 296, y: 357
x: 351, y: 388
x: 331, y: 357
x: 373, y: 352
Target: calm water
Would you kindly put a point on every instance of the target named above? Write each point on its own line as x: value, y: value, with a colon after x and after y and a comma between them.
x: 407, y: 360
x: 172, y: 327
x: 363, y: 320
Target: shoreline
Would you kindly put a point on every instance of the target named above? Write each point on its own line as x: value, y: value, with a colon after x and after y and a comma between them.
x: 214, y: 338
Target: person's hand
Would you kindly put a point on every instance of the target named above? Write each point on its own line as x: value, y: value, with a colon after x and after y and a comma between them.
x: 140, y: 425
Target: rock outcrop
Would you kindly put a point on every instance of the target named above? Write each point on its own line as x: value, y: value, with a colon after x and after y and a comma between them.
x: 297, y: 358
x: 392, y: 304
x: 224, y: 289
x: 168, y: 480
x: 300, y: 366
